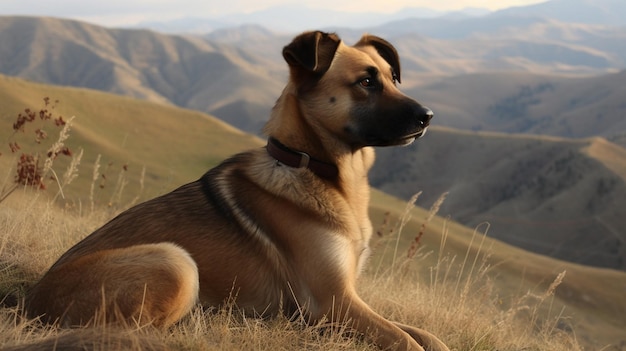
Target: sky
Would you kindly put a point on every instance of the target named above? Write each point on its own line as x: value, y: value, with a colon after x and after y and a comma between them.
x: 130, y: 12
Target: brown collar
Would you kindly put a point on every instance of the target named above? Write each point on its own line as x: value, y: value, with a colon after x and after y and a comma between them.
x: 298, y: 159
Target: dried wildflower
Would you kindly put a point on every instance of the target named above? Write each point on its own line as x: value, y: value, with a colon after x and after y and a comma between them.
x: 14, y: 147
x: 29, y: 172
x: 40, y: 135
x: 33, y: 167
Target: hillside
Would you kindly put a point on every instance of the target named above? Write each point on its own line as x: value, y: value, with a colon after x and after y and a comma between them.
x: 173, y: 144
x: 558, y: 197
x: 176, y: 145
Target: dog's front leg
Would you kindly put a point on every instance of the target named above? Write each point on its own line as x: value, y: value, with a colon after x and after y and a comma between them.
x: 424, y: 338
x: 375, y: 329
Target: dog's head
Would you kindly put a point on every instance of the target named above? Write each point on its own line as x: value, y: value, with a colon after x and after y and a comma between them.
x: 351, y: 91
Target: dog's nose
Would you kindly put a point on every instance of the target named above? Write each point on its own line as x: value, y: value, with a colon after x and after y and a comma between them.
x: 429, y: 114
x: 426, y: 115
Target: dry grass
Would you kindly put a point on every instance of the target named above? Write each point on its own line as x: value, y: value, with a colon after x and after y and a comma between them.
x: 456, y: 299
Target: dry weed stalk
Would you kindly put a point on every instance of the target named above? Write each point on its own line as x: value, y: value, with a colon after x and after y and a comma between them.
x: 58, y: 147
x: 404, y: 219
x: 142, y: 178
x: 120, y: 185
x: 531, y: 303
x: 382, y: 230
x: 434, y: 209
x: 31, y: 171
x: 72, y: 170
x: 100, y: 179
x: 94, y: 178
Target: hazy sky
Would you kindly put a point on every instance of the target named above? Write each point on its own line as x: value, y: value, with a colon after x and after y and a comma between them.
x: 127, y: 12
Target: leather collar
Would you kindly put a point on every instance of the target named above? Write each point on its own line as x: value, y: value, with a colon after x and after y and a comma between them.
x: 298, y: 159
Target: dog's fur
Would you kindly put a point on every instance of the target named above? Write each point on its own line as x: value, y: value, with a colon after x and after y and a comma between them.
x: 277, y: 238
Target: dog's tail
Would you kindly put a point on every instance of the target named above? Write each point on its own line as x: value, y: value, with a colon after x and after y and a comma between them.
x: 85, y: 339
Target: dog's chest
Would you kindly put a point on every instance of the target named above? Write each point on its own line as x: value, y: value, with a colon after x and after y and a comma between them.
x: 357, y: 248
x: 363, y: 254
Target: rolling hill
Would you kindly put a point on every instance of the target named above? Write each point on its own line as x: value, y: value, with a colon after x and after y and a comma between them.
x: 558, y: 197
x: 173, y: 144
x: 177, y: 145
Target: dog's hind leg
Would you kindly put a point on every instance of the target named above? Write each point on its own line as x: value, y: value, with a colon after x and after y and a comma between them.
x: 144, y: 284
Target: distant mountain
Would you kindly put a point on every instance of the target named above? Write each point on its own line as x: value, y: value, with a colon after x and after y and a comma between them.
x: 532, y: 104
x: 265, y: 45
x: 182, y: 70
x: 557, y: 197
x: 601, y: 12
x: 453, y: 28
x: 191, y: 25
x: 498, y: 53
x: 297, y: 17
x: 436, y: 24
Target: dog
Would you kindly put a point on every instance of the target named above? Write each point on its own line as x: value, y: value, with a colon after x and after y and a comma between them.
x: 282, y: 229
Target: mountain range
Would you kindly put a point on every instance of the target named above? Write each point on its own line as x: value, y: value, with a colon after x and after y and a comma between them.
x: 527, y: 108
x: 219, y: 73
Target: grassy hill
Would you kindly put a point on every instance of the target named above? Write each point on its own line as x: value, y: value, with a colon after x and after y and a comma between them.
x: 173, y: 144
x: 470, y: 289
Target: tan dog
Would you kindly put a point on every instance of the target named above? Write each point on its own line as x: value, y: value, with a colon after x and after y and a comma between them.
x: 283, y: 228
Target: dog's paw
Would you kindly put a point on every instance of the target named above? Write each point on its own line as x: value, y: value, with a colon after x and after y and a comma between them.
x: 427, y: 340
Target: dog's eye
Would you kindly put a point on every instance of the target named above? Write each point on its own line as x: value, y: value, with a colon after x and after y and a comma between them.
x: 367, y: 83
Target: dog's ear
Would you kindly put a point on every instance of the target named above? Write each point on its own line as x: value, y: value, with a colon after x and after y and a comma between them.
x: 385, y: 50
x: 312, y: 51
